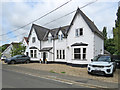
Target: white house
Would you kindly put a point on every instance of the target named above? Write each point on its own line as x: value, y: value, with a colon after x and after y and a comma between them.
x: 25, y: 43
x: 76, y: 43
x: 7, y: 51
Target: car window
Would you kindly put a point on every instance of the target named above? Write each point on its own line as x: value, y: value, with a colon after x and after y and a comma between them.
x: 104, y: 58
x: 95, y: 58
x: 23, y: 56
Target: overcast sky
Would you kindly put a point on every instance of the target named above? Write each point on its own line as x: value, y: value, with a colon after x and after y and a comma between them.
x: 15, y: 14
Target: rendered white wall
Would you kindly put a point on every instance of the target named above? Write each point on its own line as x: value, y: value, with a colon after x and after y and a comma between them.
x: 99, y: 45
x: 88, y: 38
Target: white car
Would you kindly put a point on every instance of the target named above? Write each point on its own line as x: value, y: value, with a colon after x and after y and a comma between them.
x: 102, y: 65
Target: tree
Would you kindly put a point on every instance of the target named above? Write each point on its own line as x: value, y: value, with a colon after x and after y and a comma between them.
x: 116, y: 33
x: 105, y: 36
x: 17, y: 49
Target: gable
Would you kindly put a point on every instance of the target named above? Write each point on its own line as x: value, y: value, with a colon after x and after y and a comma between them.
x: 40, y: 31
x: 91, y: 25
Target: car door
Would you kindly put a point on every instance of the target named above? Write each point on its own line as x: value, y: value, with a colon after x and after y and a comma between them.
x: 18, y: 59
x: 23, y: 58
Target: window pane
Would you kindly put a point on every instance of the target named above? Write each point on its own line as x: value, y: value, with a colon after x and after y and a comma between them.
x: 76, y: 32
x: 84, y: 56
x: 60, y: 54
x: 84, y: 50
x: 63, y: 54
x: 77, y: 56
x: 31, y: 53
x: 81, y: 31
x: 76, y: 50
x: 57, y: 54
x: 35, y: 53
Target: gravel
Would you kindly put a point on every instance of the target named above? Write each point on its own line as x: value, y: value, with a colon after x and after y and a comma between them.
x: 69, y: 70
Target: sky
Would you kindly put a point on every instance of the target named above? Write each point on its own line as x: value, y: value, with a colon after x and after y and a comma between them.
x: 17, y: 13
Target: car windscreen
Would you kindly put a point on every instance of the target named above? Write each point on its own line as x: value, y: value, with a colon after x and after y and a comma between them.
x: 104, y: 58
x: 95, y: 58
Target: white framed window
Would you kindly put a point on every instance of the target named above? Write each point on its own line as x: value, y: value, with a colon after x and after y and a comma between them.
x: 80, y: 53
x: 33, y: 53
x: 33, y: 39
x: 50, y: 39
x: 77, y: 53
x: 60, y: 37
x: 60, y: 54
x: 79, y: 32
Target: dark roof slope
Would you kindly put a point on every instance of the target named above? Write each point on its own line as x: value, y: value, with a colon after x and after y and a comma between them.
x: 55, y: 31
x: 91, y: 25
x: 40, y: 31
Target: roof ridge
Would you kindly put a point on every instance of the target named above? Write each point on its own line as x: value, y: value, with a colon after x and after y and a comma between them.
x: 40, y: 26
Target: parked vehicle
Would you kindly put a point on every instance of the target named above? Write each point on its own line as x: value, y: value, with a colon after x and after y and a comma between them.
x: 102, y: 65
x: 116, y: 58
x: 3, y: 58
x: 18, y: 59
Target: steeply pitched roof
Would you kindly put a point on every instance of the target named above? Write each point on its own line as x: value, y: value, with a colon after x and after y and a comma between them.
x: 40, y: 31
x: 55, y: 31
x: 91, y: 25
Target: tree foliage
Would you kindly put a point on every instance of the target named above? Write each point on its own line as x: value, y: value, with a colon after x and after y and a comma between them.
x: 116, y: 33
x: 17, y: 49
x: 108, y: 43
x: 105, y: 36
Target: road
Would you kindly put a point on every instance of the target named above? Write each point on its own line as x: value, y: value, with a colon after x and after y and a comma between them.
x: 14, y: 76
x: 13, y: 79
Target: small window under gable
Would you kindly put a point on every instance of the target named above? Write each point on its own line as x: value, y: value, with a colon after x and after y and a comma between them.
x: 79, y: 32
x: 60, y: 35
x: 33, y: 39
x: 49, y: 37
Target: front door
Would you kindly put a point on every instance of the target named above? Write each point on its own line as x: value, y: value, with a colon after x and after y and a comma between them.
x: 44, y: 57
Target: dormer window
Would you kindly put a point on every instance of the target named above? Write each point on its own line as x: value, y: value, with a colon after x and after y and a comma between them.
x: 50, y: 39
x: 79, y: 32
x: 60, y: 37
x: 33, y: 40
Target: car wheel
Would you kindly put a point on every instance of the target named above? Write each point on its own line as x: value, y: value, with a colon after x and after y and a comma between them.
x: 12, y: 62
x: 27, y: 61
